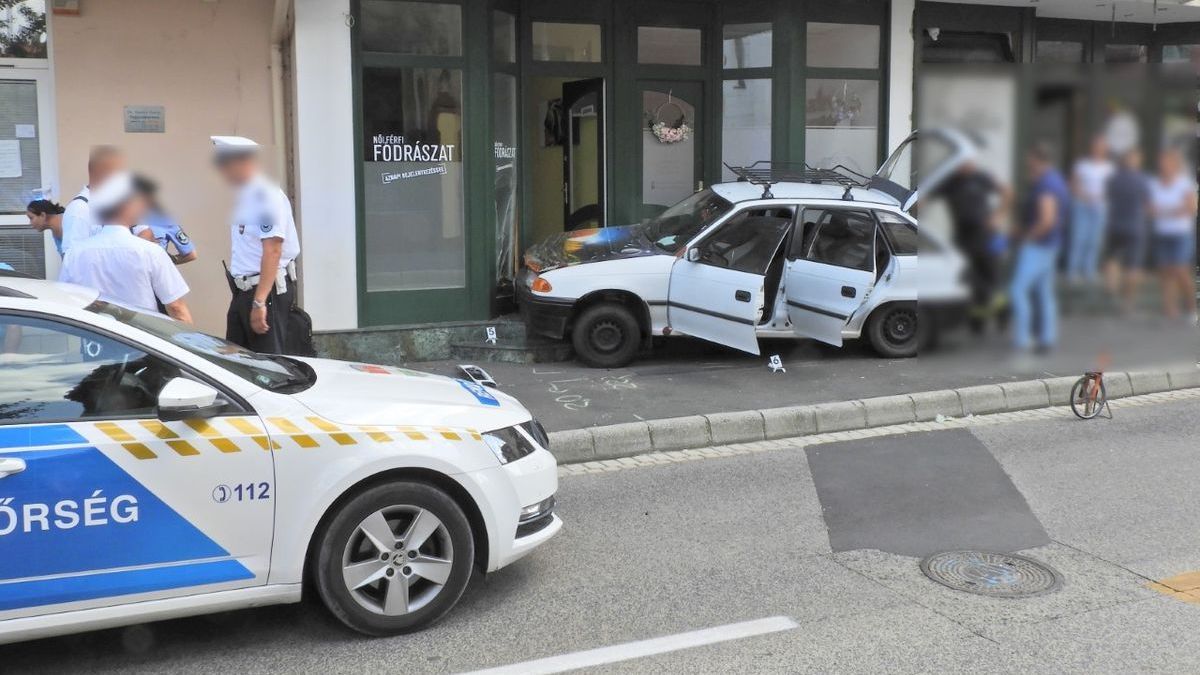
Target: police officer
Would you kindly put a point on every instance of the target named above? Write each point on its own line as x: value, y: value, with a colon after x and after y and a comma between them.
x: 125, y: 268
x: 162, y: 228
x: 79, y: 220
x: 265, y: 247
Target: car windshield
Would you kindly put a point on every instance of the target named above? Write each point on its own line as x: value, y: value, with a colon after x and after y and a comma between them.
x: 678, y: 224
x: 276, y: 373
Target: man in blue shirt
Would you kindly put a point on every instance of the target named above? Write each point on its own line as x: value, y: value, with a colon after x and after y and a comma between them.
x: 1043, y: 218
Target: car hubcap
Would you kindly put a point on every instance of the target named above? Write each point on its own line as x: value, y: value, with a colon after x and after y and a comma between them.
x: 397, y: 560
x: 606, y: 336
x: 900, y: 327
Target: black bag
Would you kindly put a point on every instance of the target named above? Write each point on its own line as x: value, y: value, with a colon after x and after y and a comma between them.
x: 299, y: 333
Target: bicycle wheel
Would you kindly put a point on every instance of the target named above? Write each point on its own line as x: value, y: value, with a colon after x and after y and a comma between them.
x: 1087, y: 402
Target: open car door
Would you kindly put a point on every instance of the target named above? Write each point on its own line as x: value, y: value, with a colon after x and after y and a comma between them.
x: 830, y: 270
x: 921, y: 162
x: 717, y: 288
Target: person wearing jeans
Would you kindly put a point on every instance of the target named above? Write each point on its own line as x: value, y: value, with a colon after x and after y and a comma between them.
x: 1088, y: 223
x: 1042, y: 219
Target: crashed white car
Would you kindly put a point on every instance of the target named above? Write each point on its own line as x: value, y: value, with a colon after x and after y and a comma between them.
x: 149, y: 471
x: 783, y: 252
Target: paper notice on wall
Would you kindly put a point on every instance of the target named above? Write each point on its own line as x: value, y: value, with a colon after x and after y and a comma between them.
x: 10, y: 159
x: 26, y: 131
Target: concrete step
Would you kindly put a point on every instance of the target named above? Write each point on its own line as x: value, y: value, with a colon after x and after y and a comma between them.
x: 528, y: 351
x: 396, y: 345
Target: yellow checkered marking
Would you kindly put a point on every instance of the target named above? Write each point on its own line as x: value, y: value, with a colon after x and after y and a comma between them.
x: 296, y: 433
x: 182, y: 444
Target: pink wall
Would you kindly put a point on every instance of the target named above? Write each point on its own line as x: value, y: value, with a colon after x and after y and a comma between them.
x: 208, y: 64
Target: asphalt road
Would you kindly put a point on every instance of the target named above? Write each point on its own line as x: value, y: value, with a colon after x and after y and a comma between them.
x: 684, y: 376
x: 815, y: 546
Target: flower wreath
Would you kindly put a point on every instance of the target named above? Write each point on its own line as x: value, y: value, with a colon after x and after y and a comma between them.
x: 667, y: 132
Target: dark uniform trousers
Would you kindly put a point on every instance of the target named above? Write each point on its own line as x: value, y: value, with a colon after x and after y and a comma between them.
x: 237, y: 321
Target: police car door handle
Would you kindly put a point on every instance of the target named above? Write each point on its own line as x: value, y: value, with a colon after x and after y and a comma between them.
x: 10, y: 466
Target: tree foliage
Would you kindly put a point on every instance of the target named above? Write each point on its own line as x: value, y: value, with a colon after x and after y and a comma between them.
x: 22, y: 29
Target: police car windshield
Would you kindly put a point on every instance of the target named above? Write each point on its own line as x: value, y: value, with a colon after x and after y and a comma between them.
x: 678, y: 224
x: 275, y: 373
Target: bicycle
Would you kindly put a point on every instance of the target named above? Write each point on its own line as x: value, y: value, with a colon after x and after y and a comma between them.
x: 1088, y: 396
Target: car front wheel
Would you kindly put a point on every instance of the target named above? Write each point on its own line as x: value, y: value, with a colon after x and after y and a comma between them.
x: 606, y: 336
x: 892, y: 330
x: 395, y: 558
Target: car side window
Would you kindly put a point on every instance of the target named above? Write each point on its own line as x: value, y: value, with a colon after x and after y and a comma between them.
x: 51, y: 371
x: 748, y: 241
x: 900, y: 233
x: 838, y: 237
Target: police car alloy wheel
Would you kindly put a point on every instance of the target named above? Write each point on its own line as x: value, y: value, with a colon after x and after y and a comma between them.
x: 395, y: 558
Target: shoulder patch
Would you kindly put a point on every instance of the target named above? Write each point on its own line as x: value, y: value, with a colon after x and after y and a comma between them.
x: 181, y: 237
x: 266, y: 224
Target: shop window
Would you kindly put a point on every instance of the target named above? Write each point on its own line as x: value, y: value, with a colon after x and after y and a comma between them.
x: 575, y: 42
x: 746, y: 45
x: 842, y: 124
x: 1126, y: 54
x: 1181, y: 54
x: 967, y: 47
x: 670, y: 46
x: 842, y: 45
x: 411, y: 28
x: 745, y: 123
x: 412, y: 178
x: 504, y: 37
x: 23, y: 30
x: 1059, y: 51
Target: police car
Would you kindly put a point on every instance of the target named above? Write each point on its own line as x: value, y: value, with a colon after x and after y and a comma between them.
x: 783, y: 252
x: 149, y: 471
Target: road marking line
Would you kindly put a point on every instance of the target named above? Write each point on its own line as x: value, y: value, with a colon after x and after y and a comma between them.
x: 644, y: 648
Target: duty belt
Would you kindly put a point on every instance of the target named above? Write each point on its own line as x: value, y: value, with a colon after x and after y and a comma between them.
x: 249, y: 283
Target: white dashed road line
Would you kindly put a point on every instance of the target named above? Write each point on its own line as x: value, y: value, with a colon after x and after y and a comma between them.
x: 800, y: 442
x: 644, y: 648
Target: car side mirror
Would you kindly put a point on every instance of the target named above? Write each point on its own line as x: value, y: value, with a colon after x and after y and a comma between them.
x: 182, y: 399
x: 693, y: 254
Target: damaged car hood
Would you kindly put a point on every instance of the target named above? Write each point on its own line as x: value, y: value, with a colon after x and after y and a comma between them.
x: 587, y: 246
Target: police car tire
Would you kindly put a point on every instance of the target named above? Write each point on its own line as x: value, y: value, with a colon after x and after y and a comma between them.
x: 330, y: 547
x: 615, y: 319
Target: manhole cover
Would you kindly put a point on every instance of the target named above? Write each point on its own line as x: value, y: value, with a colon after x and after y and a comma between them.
x: 1001, y: 575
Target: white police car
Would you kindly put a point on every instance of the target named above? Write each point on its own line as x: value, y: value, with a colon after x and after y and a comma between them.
x: 148, y: 471
x: 785, y: 252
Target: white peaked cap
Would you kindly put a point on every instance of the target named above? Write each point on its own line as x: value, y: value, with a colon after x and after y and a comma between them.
x: 233, y: 145
x: 114, y: 191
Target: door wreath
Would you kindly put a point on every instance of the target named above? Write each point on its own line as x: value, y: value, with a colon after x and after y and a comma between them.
x: 669, y: 130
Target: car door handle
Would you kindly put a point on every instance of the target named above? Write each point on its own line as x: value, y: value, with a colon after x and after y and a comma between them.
x: 742, y: 296
x: 11, y: 465
x: 849, y: 291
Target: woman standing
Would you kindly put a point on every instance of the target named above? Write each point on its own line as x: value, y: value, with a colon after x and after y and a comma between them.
x: 45, y: 215
x: 1173, y: 202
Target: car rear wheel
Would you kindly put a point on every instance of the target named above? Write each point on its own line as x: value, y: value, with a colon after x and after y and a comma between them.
x: 893, y: 332
x: 395, y: 558
x: 606, y: 336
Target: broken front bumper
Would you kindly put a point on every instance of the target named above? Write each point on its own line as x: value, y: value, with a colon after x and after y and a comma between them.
x: 543, y: 315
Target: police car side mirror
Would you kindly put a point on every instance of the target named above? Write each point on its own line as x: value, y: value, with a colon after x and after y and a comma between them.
x: 693, y: 255
x: 182, y: 399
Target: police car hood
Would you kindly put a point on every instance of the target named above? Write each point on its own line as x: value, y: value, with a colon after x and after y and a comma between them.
x: 362, y: 394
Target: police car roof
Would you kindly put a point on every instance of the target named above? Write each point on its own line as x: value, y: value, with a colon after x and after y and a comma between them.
x: 742, y: 191
x: 25, y: 288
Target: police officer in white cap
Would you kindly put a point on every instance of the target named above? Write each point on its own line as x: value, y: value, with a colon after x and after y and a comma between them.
x: 124, y: 267
x: 265, y: 247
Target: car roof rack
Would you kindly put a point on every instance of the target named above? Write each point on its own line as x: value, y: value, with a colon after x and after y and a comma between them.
x: 767, y: 173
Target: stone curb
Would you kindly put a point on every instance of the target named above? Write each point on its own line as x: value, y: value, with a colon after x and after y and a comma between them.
x: 715, y: 429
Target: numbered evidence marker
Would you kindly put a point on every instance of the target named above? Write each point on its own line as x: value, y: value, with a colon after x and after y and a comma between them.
x: 776, y: 364
x: 491, y: 335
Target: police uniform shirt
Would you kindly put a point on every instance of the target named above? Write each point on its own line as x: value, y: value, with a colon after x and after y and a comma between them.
x: 125, y: 268
x: 263, y: 211
x: 78, y: 222
x: 167, y: 233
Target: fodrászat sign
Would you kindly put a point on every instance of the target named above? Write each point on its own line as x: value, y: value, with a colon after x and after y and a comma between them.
x: 393, y: 148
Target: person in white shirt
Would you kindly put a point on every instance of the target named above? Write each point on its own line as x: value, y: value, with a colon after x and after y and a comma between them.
x: 79, y: 221
x: 264, y: 247
x: 1173, y: 204
x: 1089, y: 182
x: 125, y: 268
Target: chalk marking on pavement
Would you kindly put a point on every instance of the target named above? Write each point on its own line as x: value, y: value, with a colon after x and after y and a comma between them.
x: 643, y: 648
x: 800, y: 442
